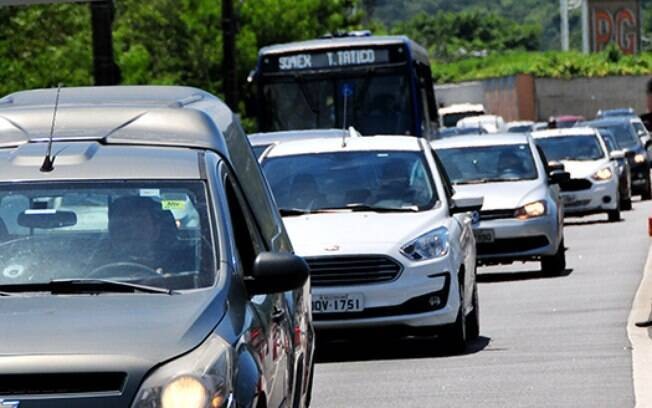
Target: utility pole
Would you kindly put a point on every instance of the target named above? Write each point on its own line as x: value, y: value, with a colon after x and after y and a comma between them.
x: 563, y: 8
x: 230, y: 73
x: 105, y: 70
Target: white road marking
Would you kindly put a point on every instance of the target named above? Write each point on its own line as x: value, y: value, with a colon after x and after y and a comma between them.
x: 640, y: 339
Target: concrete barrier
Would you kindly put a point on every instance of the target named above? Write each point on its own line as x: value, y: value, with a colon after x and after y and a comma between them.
x: 523, y: 97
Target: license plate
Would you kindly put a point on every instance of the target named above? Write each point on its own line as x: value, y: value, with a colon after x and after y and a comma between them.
x: 568, y: 198
x: 484, y: 235
x: 337, y: 303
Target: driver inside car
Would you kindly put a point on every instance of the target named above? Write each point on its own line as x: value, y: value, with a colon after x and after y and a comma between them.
x: 510, y: 164
x: 139, y: 234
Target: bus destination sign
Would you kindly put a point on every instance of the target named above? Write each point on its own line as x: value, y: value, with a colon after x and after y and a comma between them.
x: 331, y: 59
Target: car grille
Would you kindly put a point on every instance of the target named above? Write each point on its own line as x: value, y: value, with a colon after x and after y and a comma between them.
x: 61, y: 383
x: 496, y: 214
x: 576, y: 185
x: 420, y: 304
x: 511, y: 245
x: 352, y: 270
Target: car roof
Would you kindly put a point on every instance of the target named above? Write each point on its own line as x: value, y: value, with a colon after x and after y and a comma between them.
x: 568, y: 118
x: 574, y: 131
x: 91, y: 160
x: 461, y: 108
x: 609, y: 121
x: 261, y: 139
x: 139, y: 115
x: 365, y: 143
x: 491, y: 139
x: 347, y: 41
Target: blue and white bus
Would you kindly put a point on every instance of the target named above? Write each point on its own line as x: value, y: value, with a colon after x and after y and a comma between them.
x: 377, y: 84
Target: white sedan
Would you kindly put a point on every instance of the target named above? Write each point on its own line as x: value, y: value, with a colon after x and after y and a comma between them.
x: 593, y: 187
x: 388, y: 245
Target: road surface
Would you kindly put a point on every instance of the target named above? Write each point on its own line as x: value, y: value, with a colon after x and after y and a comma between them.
x: 545, y: 342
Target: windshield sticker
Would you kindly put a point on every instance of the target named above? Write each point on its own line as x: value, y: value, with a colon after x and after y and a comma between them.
x: 150, y: 192
x: 173, y: 204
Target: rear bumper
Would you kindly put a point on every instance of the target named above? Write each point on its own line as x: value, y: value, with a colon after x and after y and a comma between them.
x: 601, y: 197
x: 519, y: 240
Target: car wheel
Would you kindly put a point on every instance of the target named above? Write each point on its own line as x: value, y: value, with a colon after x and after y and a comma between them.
x: 309, y: 388
x: 454, y: 336
x: 555, y: 265
x: 614, y: 215
x: 647, y: 194
x: 626, y: 204
x: 473, y: 319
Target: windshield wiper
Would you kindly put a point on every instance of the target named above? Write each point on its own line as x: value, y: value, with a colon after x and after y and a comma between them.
x: 371, y: 208
x: 77, y: 286
x: 288, y: 212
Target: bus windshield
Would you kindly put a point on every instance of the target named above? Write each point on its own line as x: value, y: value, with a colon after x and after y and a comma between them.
x: 378, y: 104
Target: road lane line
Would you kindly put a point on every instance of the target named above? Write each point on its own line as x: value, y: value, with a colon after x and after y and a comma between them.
x: 640, y: 339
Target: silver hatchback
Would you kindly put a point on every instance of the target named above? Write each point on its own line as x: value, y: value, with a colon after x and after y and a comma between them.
x: 522, y: 218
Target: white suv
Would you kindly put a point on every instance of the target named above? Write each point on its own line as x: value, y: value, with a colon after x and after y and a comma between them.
x: 593, y: 187
x: 387, y: 244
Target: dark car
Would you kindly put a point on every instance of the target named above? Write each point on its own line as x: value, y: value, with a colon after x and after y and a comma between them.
x: 143, y: 263
x: 624, y: 172
x: 627, y: 140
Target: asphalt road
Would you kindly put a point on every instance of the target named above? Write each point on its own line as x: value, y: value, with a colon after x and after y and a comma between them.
x: 545, y: 342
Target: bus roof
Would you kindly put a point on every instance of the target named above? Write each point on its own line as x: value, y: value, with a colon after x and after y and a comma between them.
x: 418, y: 52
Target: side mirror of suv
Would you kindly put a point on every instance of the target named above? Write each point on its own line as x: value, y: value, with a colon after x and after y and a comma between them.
x: 556, y: 166
x: 617, y: 155
x: 275, y: 272
x: 559, y: 177
x: 629, y: 154
x: 466, y: 204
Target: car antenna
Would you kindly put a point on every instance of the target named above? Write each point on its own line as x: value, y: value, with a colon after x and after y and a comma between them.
x: 347, y: 92
x: 48, y: 162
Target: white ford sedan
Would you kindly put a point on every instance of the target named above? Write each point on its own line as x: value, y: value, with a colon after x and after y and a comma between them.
x: 388, y: 245
x: 593, y: 187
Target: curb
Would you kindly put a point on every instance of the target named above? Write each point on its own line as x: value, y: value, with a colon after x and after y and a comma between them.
x: 640, y: 338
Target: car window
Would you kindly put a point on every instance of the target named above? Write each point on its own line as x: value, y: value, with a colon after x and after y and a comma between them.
x: 577, y: 148
x: 483, y: 164
x: 388, y: 179
x: 640, y: 129
x: 152, y: 232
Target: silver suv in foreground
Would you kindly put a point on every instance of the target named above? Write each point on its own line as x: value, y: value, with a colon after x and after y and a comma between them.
x: 521, y: 218
x: 143, y: 262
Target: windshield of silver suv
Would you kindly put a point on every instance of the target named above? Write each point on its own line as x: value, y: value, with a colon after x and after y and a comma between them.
x: 577, y: 148
x: 488, y: 164
x: 149, y: 233
x: 365, y: 181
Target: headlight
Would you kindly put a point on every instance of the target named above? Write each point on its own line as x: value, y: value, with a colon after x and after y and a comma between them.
x: 433, y: 244
x: 639, y: 158
x: 531, y: 210
x: 200, y: 379
x: 602, y: 174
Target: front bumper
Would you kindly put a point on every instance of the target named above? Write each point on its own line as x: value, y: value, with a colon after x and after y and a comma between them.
x: 601, y: 197
x: 404, y: 301
x: 516, y: 240
x: 640, y: 178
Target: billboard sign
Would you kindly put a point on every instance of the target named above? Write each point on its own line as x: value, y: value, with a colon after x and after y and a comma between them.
x: 615, y: 22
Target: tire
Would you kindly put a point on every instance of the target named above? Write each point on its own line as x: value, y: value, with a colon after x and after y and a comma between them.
x: 473, y: 319
x: 454, y: 336
x: 626, y: 204
x: 309, y: 388
x: 555, y: 265
x: 614, y: 215
x: 647, y: 194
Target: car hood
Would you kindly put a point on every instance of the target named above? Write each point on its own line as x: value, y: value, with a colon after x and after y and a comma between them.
x: 505, y: 195
x: 583, y: 169
x: 358, y: 232
x: 149, y: 328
